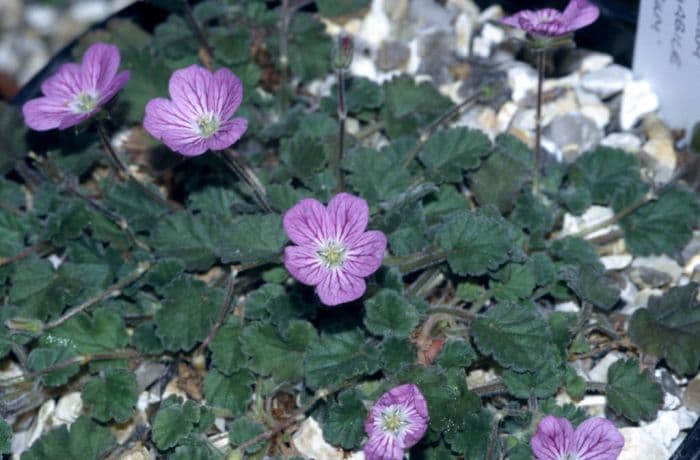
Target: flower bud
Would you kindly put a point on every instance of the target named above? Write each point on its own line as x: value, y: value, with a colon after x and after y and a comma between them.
x: 343, y: 50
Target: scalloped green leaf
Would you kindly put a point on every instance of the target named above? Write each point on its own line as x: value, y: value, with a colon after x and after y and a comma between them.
x: 590, y: 284
x: 174, y: 421
x: 272, y: 354
x: 472, y: 442
x: 112, y: 396
x: 456, y: 353
x: 86, y: 440
x: 410, y: 106
x: 374, y: 175
x: 631, y: 393
x: 244, y: 429
x: 102, y: 332
x: 189, y: 238
x: 233, y: 392
x: 5, y: 437
x: 226, y: 350
x: 396, y: 353
x: 514, y: 334
x: 345, y: 424
x: 475, y: 242
x: 390, y: 313
x: 447, y: 153
x: 669, y: 328
x: 333, y: 8
x: 36, y: 289
x: 42, y: 358
x: 140, y: 210
x: 542, y: 383
x: 252, y: 238
x: 335, y: 357
x: 303, y: 155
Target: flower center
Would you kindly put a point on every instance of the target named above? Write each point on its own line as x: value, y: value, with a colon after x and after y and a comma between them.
x: 332, y: 254
x: 393, y: 420
x: 84, y: 102
x: 208, y: 124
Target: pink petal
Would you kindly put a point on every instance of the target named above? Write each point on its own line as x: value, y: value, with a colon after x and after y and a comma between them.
x: 304, y: 222
x: 365, y: 253
x: 114, y: 86
x: 339, y: 287
x: 228, y: 133
x: 225, y: 94
x: 185, y: 141
x: 579, y: 14
x: 188, y: 88
x: 553, y: 438
x: 383, y: 447
x: 304, y: 265
x: 75, y: 119
x: 99, y: 66
x: 597, y: 439
x: 514, y: 20
x: 64, y: 84
x: 348, y: 217
x: 45, y: 113
x: 165, y: 122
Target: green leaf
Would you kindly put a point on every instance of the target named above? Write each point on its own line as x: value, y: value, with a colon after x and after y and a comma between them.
x: 86, y: 441
x: 162, y: 272
x: 533, y: 216
x: 12, y: 232
x: 67, y: 223
x: 338, y: 356
x: 5, y: 437
x: 36, y: 289
x: 245, y: 429
x: 146, y: 340
x: 542, y: 383
x: 574, y: 250
x: 374, y: 175
x: 517, y: 282
x: 472, y: 442
x: 456, y: 353
x: 232, y: 392
x: 333, y: 8
x: 272, y: 354
x: 410, y: 106
x: 128, y: 200
x: 217, y: 201
x: 514, y: 334
x: 633, y: 394
x: 189, y: 238
x: 590, y: 285
x: 605, y: 171
x: 447, y: 153
x: 396, y: 353
x: 226, y: 351
x: 13, y: 144
x: 309, y: 47
x: 252, y: 238
x: 102, y: 332
x: 41, y: 359
x: 195, y: 448
x: 669, y: 328
x: 112, y: 397
x: 303, y: 155
x: 662, y: 226
x: 174, y: 421
x: 188, y: 312
x: 258, y: 302
x: 360, y: 94
x: 389, y: 313
x: 232, y: 45
x: 475, y: 242
x: 345, y: 423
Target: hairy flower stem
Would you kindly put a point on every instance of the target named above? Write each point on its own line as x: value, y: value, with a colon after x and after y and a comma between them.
x: 540, y: 53
x: 459, y: 313
x: 430, y: 130
x: 26, y: 252
x: 342, y: 116
x: 624, y: 212
x: 230, y: 290
x: 114, y: 289
x: 245, y: 173
x: 198, y: 32
x: 414, y: 262
x: 122, y: 170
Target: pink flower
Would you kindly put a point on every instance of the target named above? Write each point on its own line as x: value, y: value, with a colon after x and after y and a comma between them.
x: 553, y: 23
x: 333, y: 251
x: 77, y: 91
x: 594, y: 439
x: 199, y: 116
x: 397, y: 421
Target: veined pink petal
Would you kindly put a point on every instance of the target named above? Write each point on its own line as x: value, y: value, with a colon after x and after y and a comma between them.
x: 114, y: 86
x: 579, y: 14
x: 514, y: 19
x: 64, y: 84
x: 229, y: 132
x: 185, y: 141
x: 225, y: 93
x: 597, y: 439
x: 304, y: 222
x: 365, y: 253
x: 75, y: 118
x: 347, y: 217
x: 340, y: 287
x: 161, y: 115
x: 383, y: 447
x: 188, y: 88
x: 304, y: 265
x: 99, y: 66
x: 45, y: 113
x: 554, y: 438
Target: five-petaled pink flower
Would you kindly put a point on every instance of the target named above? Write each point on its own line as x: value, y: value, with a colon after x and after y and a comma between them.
x: 77, y: 91
x: 594, y: 439
x: 199, y: 116
x: 553, y: 23
x: 333, y: 251
x: 397, y: 421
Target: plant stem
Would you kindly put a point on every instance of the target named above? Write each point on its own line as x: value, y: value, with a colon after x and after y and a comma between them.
x: 230, y: 289
x: 26, y: 252
x: 370, y: 129
x: 624, y: 212
x: 430, y: 130
x: 462, y: 314
x: 244, y: 172
x: 122, y: 169
x: 414, y: 262
x: 198, y: 32
x: 342, y: 116
x: 111, y: 290
x: 538, y: 120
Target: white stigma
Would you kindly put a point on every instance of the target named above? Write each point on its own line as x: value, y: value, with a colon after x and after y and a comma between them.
x: 332, y: 254
x: 84, y: 102
x: 207, y: 125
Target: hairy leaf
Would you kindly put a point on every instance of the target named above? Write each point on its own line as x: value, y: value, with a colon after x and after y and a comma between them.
x: 632, y: 393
